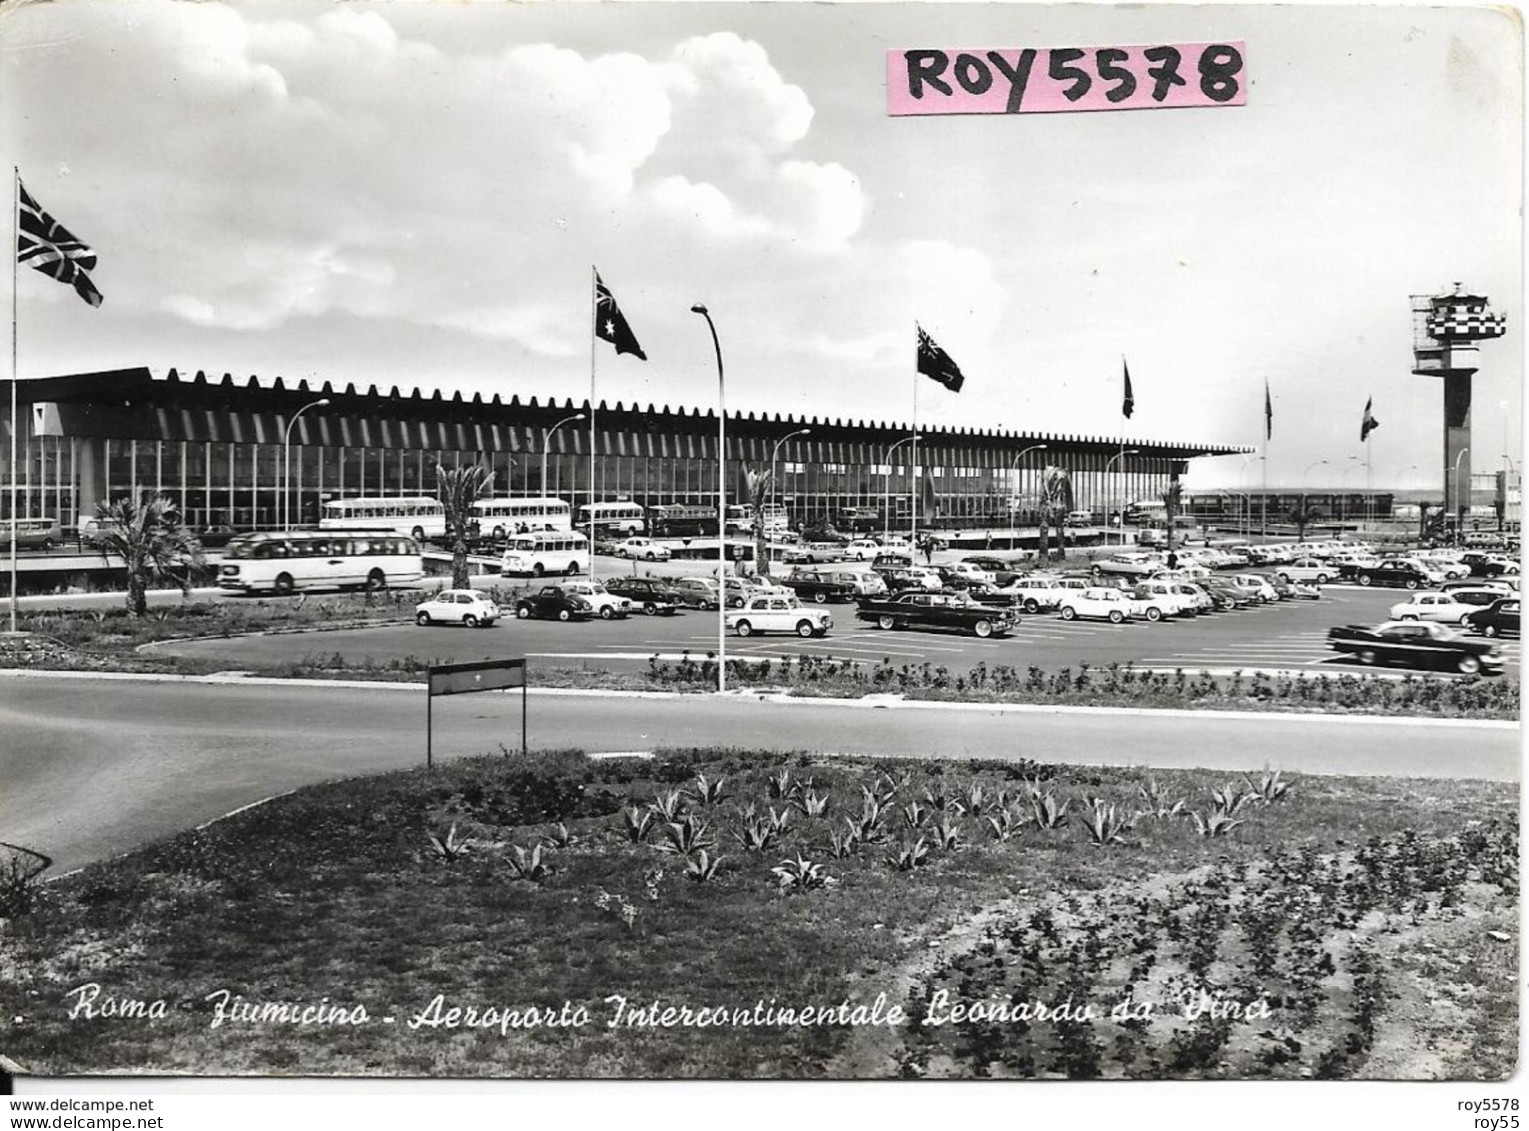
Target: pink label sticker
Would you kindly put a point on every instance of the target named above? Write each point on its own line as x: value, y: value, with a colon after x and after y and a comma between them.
x: 1046, y: 80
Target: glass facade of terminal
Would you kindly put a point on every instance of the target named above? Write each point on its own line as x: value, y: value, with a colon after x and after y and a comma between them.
x: 223, y: 453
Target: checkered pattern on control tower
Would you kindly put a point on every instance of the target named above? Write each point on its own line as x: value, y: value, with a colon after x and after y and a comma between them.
x: 1466, y: 325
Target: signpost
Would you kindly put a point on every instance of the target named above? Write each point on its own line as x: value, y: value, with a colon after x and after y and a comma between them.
x: 462, y: 679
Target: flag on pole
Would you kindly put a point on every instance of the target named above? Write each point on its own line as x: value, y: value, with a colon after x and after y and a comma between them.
x: 936, y: 363
x: 1369, y: 424
x: 45, y: 245
x: 1268, y: 413
x: 1128, y: 404
x: 610, y: 323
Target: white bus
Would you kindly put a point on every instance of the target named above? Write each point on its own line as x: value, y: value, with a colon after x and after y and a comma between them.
x: 418, y: 516
x: 500, y: 518
x: 39, y: 532
x: 282, y: 562
x: 626, y: 517
x: 546, y: 551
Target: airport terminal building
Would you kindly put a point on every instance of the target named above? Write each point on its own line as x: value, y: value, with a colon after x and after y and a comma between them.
x: 218, y: 446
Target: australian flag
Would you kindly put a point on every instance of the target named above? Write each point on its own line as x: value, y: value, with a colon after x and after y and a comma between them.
x: 935, y: 362
x: 610, y: 323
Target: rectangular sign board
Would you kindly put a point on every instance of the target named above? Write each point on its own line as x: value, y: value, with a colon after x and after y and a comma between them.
x: 486, y: 675
x: 1048, y: 80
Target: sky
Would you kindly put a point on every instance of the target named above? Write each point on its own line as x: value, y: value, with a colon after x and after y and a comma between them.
x: 416, y: 194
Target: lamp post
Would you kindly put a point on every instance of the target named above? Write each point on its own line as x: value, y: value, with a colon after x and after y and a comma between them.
x: 1120, y: 455
x: 700, y: 309
x: 546, y: 442
x: 1455, y: 502
x: 1351, y: 464
x: 286, y: 459
x: 774, y: 454
x: 1013, y: 510
x: 886, y: 505
x: 1304, y: 475
x: 1263, y: 498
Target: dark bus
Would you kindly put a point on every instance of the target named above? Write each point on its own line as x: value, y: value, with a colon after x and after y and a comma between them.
x: 682, y: 520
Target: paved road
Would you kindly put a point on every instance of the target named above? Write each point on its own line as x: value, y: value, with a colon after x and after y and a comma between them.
x: 94, y: 766
x: 1290, y: 635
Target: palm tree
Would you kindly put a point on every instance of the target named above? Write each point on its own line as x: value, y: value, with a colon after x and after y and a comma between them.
x: 1056, y: 503
x: 146, y: 532
x: 759, y: 484
x: 458, y: 488
x: 1173, y: 498
x: 1303, y: 515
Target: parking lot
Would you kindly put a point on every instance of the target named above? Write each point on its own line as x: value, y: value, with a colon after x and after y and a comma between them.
x: 1285, y: 636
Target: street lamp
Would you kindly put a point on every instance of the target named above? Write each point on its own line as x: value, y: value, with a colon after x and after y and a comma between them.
x: 546, y: 442
x: 1014, y: 510
x: 1120, y: 455
x: 1455, y: 478
x: 1304, y: 475
x: 886, y: 505
x: 286, y: 458
x: 700, y: 309
x: 1351, y: 465
x: 774, y: 454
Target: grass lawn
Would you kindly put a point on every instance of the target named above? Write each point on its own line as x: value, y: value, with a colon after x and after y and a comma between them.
x: 1358, y: 926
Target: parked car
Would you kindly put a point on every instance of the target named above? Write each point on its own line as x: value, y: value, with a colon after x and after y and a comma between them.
x: 644, y: 549
x: 899, y: 578
x: 695, y: 592
x: 1441, y: 607
x: 1098, y: 603
x: 1158, y: 599
x: 970, y: 574
x: 1307, y: 569
x: 1128, y: 565
x: 812, y: 552
x: 1004, y: 570
x: 1295, y: 590
x: 862, y: 549
x: 1500, y: 618
x: 551, y: 602
x: 935, y: 610
x: 649, y: 594
x: 607, y: 605
x: 779, y: 614
x: 1424, y: 644
x: 1399, y: 572
x: 1035, y: 593
x: 466, y: 607
x: 812, y: 586
x: 864, y: 582
x: 1255, y: 586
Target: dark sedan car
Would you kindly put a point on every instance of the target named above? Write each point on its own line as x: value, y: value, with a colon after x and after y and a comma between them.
x: 1500, y: 618
x: 649, y: 594
x: 552, y: 603
x: 810, y: 586
x: 1003, y: 569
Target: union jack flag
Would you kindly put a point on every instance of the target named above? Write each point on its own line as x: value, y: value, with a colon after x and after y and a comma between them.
x: 45, y: 245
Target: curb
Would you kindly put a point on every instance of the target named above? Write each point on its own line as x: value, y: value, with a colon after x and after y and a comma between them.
x: 771, y: 695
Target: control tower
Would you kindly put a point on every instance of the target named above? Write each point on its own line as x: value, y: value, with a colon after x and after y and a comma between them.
x: 1445, y: 333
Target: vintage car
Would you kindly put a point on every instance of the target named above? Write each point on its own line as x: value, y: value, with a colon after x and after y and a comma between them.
x: 607, y: 605
x: 552, y: 602
x: 466, y: 607
x: 778, y: 613
x: 1424, y: 644
x: 643, y: 548
x: 1500, y: 618
x: 810, y: 585
x: 1307, y: 569
x: 1396, y: 571
x: 1446, y: 608
x: 649, y: 594
x: 1036, y: 593
x: 1099, y: 602
x: 935, y: 610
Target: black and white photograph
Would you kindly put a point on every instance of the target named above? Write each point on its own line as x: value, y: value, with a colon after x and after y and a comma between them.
x: 772, y: 542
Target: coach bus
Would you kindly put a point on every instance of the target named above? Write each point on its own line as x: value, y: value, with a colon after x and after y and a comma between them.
x: 682, y: 520
x: 625, y: 517
x: 501, y: 518
x: 542, y: 552
x: 418, y: 516
x: 285, y: 561
x: 38, y: 533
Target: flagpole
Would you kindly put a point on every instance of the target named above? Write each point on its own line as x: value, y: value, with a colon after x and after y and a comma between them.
x: 913, y: 467
x: 594, y: 336
x: 15, y: 286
